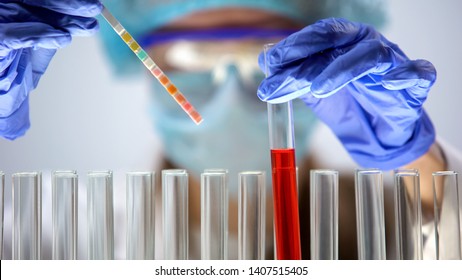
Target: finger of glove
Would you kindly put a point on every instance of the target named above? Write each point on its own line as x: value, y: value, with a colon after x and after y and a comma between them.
x: 367, y: 57
x: 294, y: 81
x: 415, y: 76
x: 283, y: 87
x: 38, y: 35
x: 84, y: 8
x: 323, y: 35
x: 11, y: 13
x: 5, y: 61
x: 16, y: 83
x: 16, y: 124
x: 22, y: 76
x: 40, y: 59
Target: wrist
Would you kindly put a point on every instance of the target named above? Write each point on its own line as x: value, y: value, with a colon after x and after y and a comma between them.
x: 390, y: 158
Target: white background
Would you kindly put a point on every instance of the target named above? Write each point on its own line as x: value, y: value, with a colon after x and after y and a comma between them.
x: 141, y: 270
x: 83, y: 118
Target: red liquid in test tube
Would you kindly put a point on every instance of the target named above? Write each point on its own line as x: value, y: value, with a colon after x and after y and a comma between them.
x: 285, y: 199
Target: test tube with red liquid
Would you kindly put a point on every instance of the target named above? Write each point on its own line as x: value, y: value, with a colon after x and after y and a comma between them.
x: 285, y: 197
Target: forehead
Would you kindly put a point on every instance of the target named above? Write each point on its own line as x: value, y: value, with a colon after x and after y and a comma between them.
x: 231, y: 17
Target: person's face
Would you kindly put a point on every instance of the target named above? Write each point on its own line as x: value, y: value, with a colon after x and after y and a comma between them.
x: 234, y: 133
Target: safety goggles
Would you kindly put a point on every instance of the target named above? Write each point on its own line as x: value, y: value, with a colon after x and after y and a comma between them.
x: 210, y: 49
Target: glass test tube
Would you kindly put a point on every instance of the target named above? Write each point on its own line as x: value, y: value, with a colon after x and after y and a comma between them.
x: 251, y: 215
x: 100, y: 213
x: 65, y: 215
x: 2, y: 201
x: 370, y: 214
x: 447, y: 220
x: 214, y: 215
x: 408, y: 215
x: 140, y: 215
x: 175, y: 214
x: 286, y: 219
x: 27, y: 215
x: 324, y: 214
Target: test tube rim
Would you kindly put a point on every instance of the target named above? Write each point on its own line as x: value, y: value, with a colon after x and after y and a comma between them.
x: 406, y: 172
x: 324, y: 171
x: 26, y: 174
x: 139, y: 173
x: 174, y: 171
x: 102, y: 173
x: 368, y: 171
x: 444, y: 173
x: 209, y: 175
x: 64, y: 171
x: 216, y: 171
x: 65, y: 174
x: 268, y: 46
x: 252, y: 172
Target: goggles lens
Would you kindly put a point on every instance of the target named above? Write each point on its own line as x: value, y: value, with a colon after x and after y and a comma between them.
x: 210, y: 50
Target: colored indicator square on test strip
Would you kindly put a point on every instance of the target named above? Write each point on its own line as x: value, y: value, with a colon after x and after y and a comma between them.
x: 134, y: 46
x: 187, y: 106
x: 163, y: 80
x: 149, y: 63
x: 180, y: 98
x: 156, y: 72
x: 142, y: 55
x: 126, y: 37
x: 196, y: 117
x: 172, y: 89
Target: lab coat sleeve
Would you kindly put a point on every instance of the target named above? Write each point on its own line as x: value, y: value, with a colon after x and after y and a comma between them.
x: 453, y: 159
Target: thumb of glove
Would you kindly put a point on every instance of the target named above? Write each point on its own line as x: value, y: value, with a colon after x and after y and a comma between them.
x: 16, y: 124
x: 415, y: 77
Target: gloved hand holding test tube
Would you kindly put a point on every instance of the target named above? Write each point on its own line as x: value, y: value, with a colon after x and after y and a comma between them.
x: 352, y: 77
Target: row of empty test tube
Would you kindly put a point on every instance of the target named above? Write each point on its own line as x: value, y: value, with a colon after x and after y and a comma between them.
x: 140, y: 214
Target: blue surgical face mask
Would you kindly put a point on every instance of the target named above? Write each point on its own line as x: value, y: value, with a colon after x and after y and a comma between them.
x: 234, y: 133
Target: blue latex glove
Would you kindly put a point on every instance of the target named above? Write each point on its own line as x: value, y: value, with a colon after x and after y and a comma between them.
x: 30, y: 33
x: 360, y: 84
